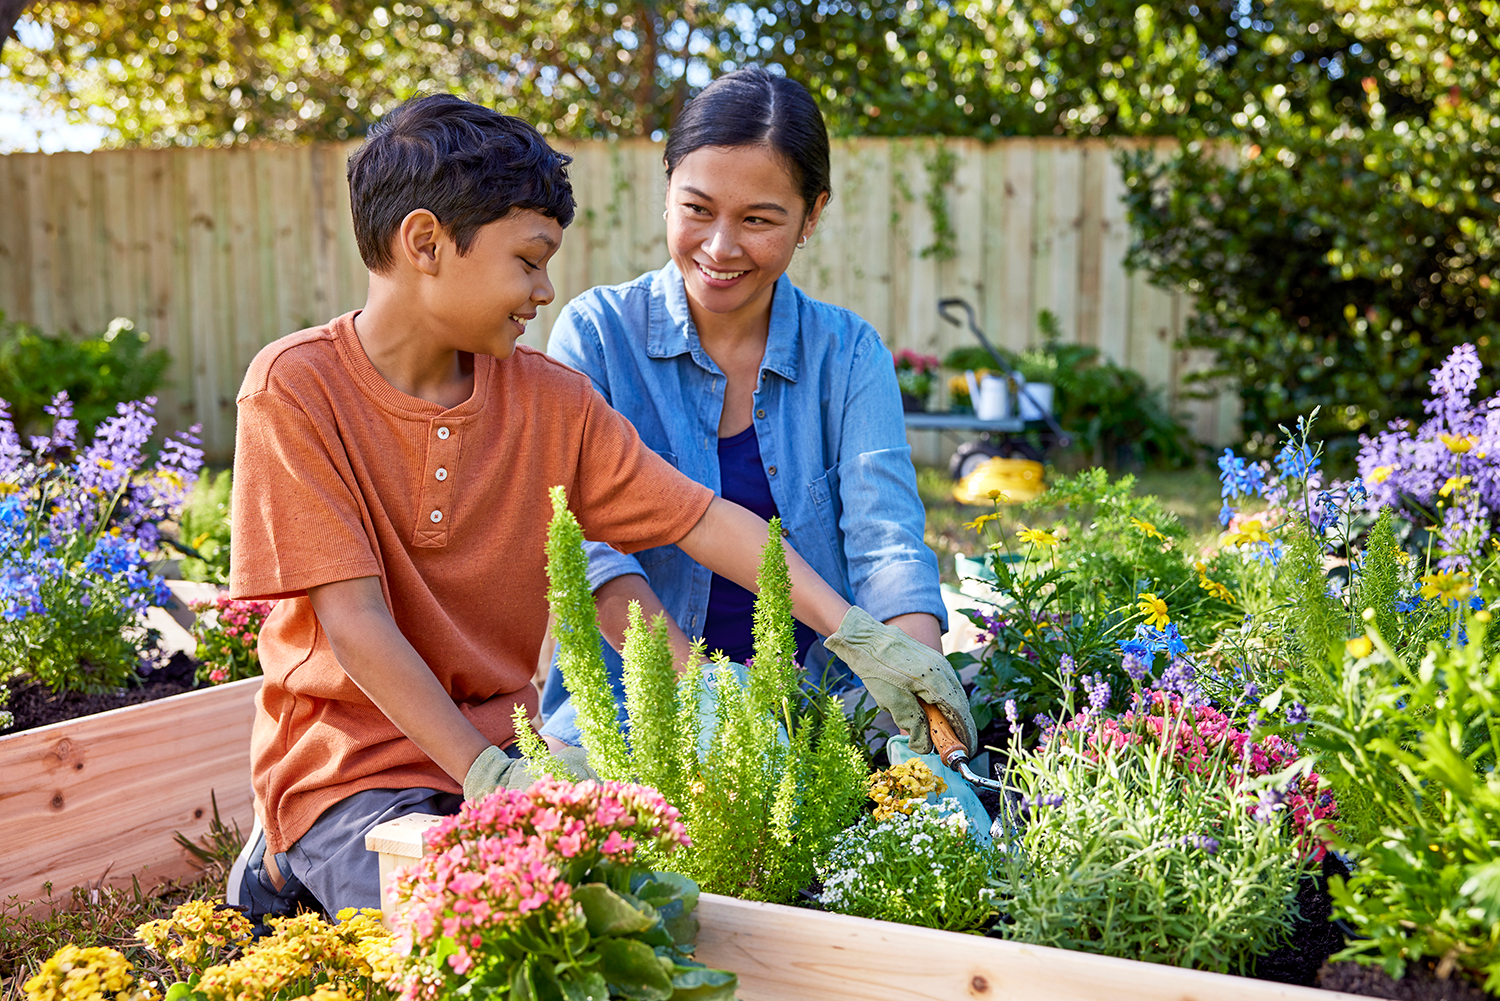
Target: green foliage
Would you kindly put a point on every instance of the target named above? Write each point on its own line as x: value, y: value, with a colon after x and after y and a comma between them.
x: 1073, y: 592
x: 96, y: 372
x: 762, y: 786
x: 1423, y: 742
x: 1123, y: 855
x: 203, y: 530
x: 1316, y: 623
x: 1347, y: 243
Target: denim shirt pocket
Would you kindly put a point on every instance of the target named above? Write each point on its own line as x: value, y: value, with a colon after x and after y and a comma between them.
x: 824, y: 492
x: 652, y: 559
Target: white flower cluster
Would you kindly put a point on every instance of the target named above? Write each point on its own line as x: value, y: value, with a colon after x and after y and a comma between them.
x: 891, y: 858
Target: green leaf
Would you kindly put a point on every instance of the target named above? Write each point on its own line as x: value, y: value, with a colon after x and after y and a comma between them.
x: 656, y: 888
x: 588, y: 987
x: 182, y: 992
x: 608, y: 913
x: 699, y: 983
x: 634, y: 970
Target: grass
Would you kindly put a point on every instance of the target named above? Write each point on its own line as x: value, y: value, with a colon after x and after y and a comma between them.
x: 1191, y: 494
x: 99, y: 915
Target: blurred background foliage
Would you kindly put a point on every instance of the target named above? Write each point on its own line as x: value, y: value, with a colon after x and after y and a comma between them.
x: 1332, y: 209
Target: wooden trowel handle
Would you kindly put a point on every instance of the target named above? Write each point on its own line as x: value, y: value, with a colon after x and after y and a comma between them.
x: 950, y: 750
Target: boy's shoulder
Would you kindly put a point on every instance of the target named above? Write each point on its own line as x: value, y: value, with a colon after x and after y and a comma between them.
x: 303, y: 353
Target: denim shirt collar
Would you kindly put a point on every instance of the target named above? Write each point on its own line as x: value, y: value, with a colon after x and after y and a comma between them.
x: 672, y: 331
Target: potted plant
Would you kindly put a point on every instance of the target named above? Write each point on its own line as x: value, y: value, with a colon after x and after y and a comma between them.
x: 914, y: 374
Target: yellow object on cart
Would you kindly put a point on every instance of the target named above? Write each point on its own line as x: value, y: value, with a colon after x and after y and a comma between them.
x: 1016, y: 480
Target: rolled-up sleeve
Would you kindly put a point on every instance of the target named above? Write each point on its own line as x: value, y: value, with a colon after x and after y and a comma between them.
x: 892, y: 571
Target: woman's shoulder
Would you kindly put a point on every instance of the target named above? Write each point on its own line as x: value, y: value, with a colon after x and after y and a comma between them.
x: 624, y: 299
x: 840, y: 330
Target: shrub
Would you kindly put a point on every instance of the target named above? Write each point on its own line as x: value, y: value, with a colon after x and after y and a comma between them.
x: 76, y: 526
x: 1423, y: 739
x: 97, y: 373
x: 762, y: 790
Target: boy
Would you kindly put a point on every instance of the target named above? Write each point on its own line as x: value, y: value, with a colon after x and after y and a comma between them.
x: 391, y: 477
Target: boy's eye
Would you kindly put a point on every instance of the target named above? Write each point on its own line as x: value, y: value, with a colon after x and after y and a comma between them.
x: 533, y: 267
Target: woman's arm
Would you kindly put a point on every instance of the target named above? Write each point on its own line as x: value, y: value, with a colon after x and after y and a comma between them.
x: 613, y: 599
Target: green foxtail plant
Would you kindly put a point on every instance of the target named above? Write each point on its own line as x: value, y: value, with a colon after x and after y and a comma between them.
x: 763, y: 786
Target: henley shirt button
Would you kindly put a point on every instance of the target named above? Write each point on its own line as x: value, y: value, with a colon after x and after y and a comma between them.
x: 437, y: 516
x: 771, y: 471
x: 761, y: 412
x: 443, y: 433
x: 441, y: 474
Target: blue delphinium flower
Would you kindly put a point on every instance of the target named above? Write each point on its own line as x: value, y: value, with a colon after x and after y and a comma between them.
x: 1226, y: 514
x: 1239, y: 478
x: 112, y: 555
x: 1410, y: 603
x: 1268, y: 552
x: 1296, y: 714
x: 1296, y: 462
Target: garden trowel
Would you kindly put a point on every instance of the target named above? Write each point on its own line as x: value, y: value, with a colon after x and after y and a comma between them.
x: 950, y: 750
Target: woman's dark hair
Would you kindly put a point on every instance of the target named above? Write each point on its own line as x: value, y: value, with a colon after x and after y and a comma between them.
x: 462, y: 162
x: 751, y: 107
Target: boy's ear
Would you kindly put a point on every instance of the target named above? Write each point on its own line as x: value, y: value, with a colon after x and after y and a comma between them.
x: 419, y: 240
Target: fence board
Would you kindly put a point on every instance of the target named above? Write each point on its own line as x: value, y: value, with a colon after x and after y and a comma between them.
x: 218, y: 252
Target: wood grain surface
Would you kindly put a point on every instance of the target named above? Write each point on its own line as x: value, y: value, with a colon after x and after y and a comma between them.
x: 101, y: 798
x: 794, y: 954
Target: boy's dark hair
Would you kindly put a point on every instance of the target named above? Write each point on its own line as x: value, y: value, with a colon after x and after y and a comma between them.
x: 462, y: 162
x: 751, y: 107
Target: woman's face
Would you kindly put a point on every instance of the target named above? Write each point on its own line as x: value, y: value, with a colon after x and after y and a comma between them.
x: 734, y: 216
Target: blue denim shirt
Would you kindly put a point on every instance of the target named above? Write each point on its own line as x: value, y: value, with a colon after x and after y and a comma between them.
x: 827, y: 413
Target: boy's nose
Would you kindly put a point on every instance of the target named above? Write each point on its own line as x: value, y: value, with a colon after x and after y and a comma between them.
x: 544, y: 292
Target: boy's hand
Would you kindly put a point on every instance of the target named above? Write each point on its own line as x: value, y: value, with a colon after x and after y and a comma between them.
x: 897, y: 669
x: 493, y: 769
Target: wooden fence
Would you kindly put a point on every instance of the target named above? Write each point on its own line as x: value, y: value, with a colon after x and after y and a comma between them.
x: 217, y: 252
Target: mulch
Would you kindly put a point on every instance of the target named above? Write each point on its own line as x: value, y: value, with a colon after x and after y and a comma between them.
x: 35, y: 705
x: 1420, y: 983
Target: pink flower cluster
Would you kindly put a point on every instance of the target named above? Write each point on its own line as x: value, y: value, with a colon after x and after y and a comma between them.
x: 1194, y: 742
x: 906, y: 358
x: 516, y: 855
x: 227, y: 630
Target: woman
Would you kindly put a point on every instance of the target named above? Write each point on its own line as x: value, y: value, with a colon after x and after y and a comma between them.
x: 784, y: 404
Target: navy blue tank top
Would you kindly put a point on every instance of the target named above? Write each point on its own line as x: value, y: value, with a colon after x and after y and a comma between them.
x: 731, y: 608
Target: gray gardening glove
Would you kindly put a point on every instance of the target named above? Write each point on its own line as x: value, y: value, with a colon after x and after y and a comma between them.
x: 494, y: 769
x: 897, y: 670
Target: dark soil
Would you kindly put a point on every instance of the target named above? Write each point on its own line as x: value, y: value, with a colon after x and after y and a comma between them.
x: 1419, y: 984
x: 35, y: 705
x: 1314, y: 936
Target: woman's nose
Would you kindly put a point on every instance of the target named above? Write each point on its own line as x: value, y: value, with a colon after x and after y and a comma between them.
x: 721, y: 243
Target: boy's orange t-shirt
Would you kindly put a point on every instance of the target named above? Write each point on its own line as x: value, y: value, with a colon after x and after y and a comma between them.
x: 339, y: 475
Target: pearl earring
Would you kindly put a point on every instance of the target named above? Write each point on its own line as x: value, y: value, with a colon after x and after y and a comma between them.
x: 663, y: 213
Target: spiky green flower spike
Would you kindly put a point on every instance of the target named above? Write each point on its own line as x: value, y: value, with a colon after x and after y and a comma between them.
x: 773, y: 678
x: 580, y: 656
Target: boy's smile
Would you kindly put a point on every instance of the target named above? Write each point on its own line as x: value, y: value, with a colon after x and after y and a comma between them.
x: 493, y: 291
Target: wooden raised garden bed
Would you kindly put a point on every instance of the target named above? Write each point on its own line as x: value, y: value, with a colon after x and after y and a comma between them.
x: 100, y: 798
x: 793, y: 954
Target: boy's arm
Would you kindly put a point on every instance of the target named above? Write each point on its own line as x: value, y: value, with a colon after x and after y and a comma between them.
x: 379, y: 659
x: 612, y: 600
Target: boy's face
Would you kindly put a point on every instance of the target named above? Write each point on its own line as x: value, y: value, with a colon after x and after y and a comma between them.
x: 486, y: 297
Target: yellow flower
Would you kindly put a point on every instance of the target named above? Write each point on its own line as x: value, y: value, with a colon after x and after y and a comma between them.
x: 1037, y: 537
x: 895, y: 789
x: 1155, y: 610
x: 1216, y: 589
x: 1448, y: 586
x: 1458, y: 444
x: 86, y: 974
x: 983, y: 520
x: 1380, y: 474
x: 6, y: 489
x: 1250, y: 531
x: 1359, y: 646
x: 106, y: 463
x: 1454, y: 483
x: 1147, y: 528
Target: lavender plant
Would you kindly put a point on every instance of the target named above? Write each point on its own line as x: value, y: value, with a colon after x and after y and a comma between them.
x: 76, y: 528
x: 1123, y: 851
x: 762, y: 788
x: 1445, y: 473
